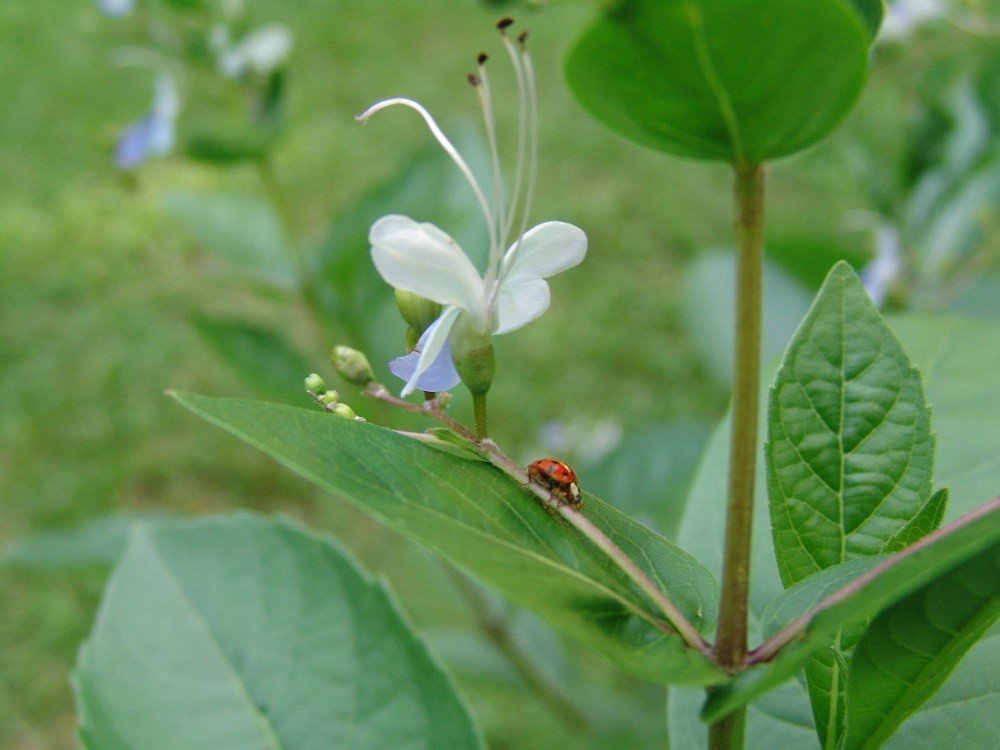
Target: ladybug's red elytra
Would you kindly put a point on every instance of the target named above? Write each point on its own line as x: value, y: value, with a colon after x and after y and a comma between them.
x: 559, y: 479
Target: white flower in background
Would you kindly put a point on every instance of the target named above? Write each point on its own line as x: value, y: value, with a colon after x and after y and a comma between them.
x: 115, y: 8
x: 261, y: 51
x: 903, y: 17
x: 886, y: 268
x: 154, y: 134
x: 422, y: 259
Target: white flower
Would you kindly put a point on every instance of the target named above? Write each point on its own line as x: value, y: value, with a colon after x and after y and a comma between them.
x: 886, y: 268
x: 903, y: 17
x: 261, y: 51
x: 422, y: 259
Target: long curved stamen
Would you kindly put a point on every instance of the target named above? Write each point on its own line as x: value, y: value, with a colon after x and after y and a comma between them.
x: 486, y: 100
x: 522, y: 135
x: 532, y: 98
x: 446, y: 144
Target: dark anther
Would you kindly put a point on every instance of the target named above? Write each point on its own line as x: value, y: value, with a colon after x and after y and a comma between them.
x: 474, y: 79
x: 504, y: 23
x: 522, y: 38
x: 483, y: 57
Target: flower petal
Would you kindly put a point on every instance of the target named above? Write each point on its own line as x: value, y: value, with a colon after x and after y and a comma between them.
x: 522, y: 302
x: 440, y: 376
x: 544, y: 251
x: 135, y: 144
x: 422, y: 259
x: 436, y: 338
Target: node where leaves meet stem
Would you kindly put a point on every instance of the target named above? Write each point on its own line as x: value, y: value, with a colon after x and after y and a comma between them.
x: 730, y: 648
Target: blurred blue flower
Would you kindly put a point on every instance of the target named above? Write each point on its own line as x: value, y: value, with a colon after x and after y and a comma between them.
x: 441, y: 375
x: 115, y: 8
x: 153, y: 135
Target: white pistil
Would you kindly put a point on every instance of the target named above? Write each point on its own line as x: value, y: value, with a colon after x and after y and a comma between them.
x: 486, y: 100
x: 522, y: 135
x: 449, y: 148
x: 531, y: 97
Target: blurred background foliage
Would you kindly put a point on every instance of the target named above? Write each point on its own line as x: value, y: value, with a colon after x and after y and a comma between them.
x: 231, y: 265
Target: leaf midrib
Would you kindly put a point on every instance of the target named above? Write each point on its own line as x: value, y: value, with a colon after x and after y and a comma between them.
x: 237, y: 681
x: 990, y: 611
x: 311, y: 476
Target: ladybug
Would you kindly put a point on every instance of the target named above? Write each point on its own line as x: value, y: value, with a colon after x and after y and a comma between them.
x: 559, y: 479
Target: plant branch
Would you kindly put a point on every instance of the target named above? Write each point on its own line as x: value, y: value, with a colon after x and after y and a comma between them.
x: 282, y: 206
x: 675, y: 618
x: 498, y: 631
x: 770, y: 648
x: 731, y: 644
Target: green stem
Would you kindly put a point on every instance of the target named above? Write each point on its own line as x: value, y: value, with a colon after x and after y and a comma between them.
x: 497, y: 629
x: 283, y: 207
x: 731, y: 644
x: 482, y: 421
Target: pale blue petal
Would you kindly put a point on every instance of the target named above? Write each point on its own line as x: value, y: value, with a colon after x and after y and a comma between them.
x: 435, y: 339
x: 150, y: 136
x: 440, y: 376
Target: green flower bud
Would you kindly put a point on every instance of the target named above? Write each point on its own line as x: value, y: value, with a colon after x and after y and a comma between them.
x: 352, y: 365
x: 345, y: 411
x: 472, y: 353
x: 417, y: 311
x: 329, y: 398
x: 315, y: 384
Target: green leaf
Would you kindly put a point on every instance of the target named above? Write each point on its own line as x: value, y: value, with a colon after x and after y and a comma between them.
x: 958, y: 358
x: 910, y: 649
x: 710, y: 317
x: 649, y: 472
x: 927, y: 519
x: 245, y: 632
x: 260, y: 358
x: 95, y: 543
x: 871, y: 12
x: 228, y: 142
x: 479, y: 519
x: 964, y: 712
x: 809, y: 258
x: 884, y: 584
x: 722, y: 79
x: 850, y: 452
x: 242, y: 231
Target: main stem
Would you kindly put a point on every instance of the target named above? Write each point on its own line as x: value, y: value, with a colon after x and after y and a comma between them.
x: 731, y: 644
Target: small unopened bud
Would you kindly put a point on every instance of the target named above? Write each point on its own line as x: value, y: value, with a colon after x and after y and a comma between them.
x: 344, y: 411
x: 329, y: 398
x: 472, y: 353
x: 352, y: 365
x: 417, y: 311
x: 315, y: 384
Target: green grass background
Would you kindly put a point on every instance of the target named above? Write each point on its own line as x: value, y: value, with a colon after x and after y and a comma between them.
x: 98, y: 287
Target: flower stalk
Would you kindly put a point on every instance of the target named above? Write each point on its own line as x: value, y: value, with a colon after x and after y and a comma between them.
x: 730, y: 648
